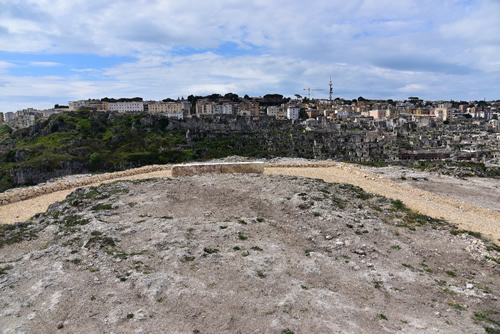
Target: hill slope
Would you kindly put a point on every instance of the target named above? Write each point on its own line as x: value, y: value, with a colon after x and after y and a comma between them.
x: 243, y: 253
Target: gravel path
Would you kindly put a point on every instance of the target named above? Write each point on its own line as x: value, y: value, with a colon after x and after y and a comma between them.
x: 467, y: 216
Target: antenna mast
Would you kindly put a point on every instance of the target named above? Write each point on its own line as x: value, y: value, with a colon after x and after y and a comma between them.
x: 331, y: 88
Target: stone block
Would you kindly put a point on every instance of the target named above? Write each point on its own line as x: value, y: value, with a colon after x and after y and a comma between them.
x: 218, y: 168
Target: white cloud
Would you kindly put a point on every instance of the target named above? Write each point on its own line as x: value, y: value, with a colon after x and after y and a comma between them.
x: 44, y: 63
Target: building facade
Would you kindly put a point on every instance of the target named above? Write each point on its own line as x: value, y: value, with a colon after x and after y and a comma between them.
x: 125, y: 106
x: 292, y: 112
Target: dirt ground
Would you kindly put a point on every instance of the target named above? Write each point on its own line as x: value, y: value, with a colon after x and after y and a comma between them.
x: 473, y: 204
x: 246, y: 253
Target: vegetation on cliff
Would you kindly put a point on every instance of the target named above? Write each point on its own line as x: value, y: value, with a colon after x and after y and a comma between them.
x: 85, y: 141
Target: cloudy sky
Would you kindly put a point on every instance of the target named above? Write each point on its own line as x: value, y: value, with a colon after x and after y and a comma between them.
x: 54, y: 51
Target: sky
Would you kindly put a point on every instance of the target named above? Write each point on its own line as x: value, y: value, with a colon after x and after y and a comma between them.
x: 55, y: 51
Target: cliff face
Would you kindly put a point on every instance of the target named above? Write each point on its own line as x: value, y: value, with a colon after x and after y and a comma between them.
x: 83, y: 142
x: 87, y: 141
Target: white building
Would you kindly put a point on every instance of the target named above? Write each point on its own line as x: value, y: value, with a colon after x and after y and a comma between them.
x: 223, y: 109
x: 9, y: 116
x: 126, y: 106
x: 292, y: 112
x: 273, y: 111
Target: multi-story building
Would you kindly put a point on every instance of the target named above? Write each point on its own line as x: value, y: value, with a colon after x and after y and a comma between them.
x: 442, y: 113
x: 377, y: 114
x: 90, y: 103
x: 292, y: 112
x: 249, y: 108
x: 186, y: 106
x: 172, y: 109
x: 205, y: 107
x: 165, y: 107
x: 133, y: 106
x: 9, y: 116
x: 224, y: 109
x: 273, y: 110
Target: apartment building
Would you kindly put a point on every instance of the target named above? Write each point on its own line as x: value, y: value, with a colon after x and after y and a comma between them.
x: 273, y: 110
x: 249, y: 108
x: 172, y: 109
x: 205, y: 107
x: 165, y: 107
x: 225, y: 109
x: 292, y: 112
x: 377, y: 114
x: 135, y: 106
x: 90, y: 104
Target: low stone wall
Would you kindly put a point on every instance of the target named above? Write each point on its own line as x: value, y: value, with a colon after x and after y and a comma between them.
x: 218, y: 168
x: 250, y: 167
x: 30, y: 192
x: 320, y: 164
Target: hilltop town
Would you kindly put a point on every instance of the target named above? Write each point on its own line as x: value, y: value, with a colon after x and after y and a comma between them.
x: 274, y: 105
x: 457, y: 138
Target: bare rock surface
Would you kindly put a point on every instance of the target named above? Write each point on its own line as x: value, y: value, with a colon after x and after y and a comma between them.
x: 480, y: 191
x: 243, y: 253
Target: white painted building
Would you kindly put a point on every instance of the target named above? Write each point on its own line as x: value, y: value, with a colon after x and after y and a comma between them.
x: 292, y: 112
x: 126, y: 106
x: 273, y: 111
x: 223, y: 109
x: 9, y: 116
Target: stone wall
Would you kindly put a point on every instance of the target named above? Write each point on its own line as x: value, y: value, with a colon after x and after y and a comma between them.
x: 30, y: 192
x: 35, y: 191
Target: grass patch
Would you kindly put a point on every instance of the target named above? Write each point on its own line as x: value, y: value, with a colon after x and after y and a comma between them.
x: 101, y: 207
x: 451, y: 273
x: 210, y: 250
x: 457, y: 306
x: 15, y: 233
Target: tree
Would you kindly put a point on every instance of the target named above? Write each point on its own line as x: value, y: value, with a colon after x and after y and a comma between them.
x: 213, y: 97
x: 94, y: 161
x: 274, y: 97
x: 233, y: 97
x: 299, y: 97
x: 303, y: 113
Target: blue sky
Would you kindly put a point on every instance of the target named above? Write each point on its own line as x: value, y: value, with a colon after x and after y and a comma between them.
x: 58, y: 50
